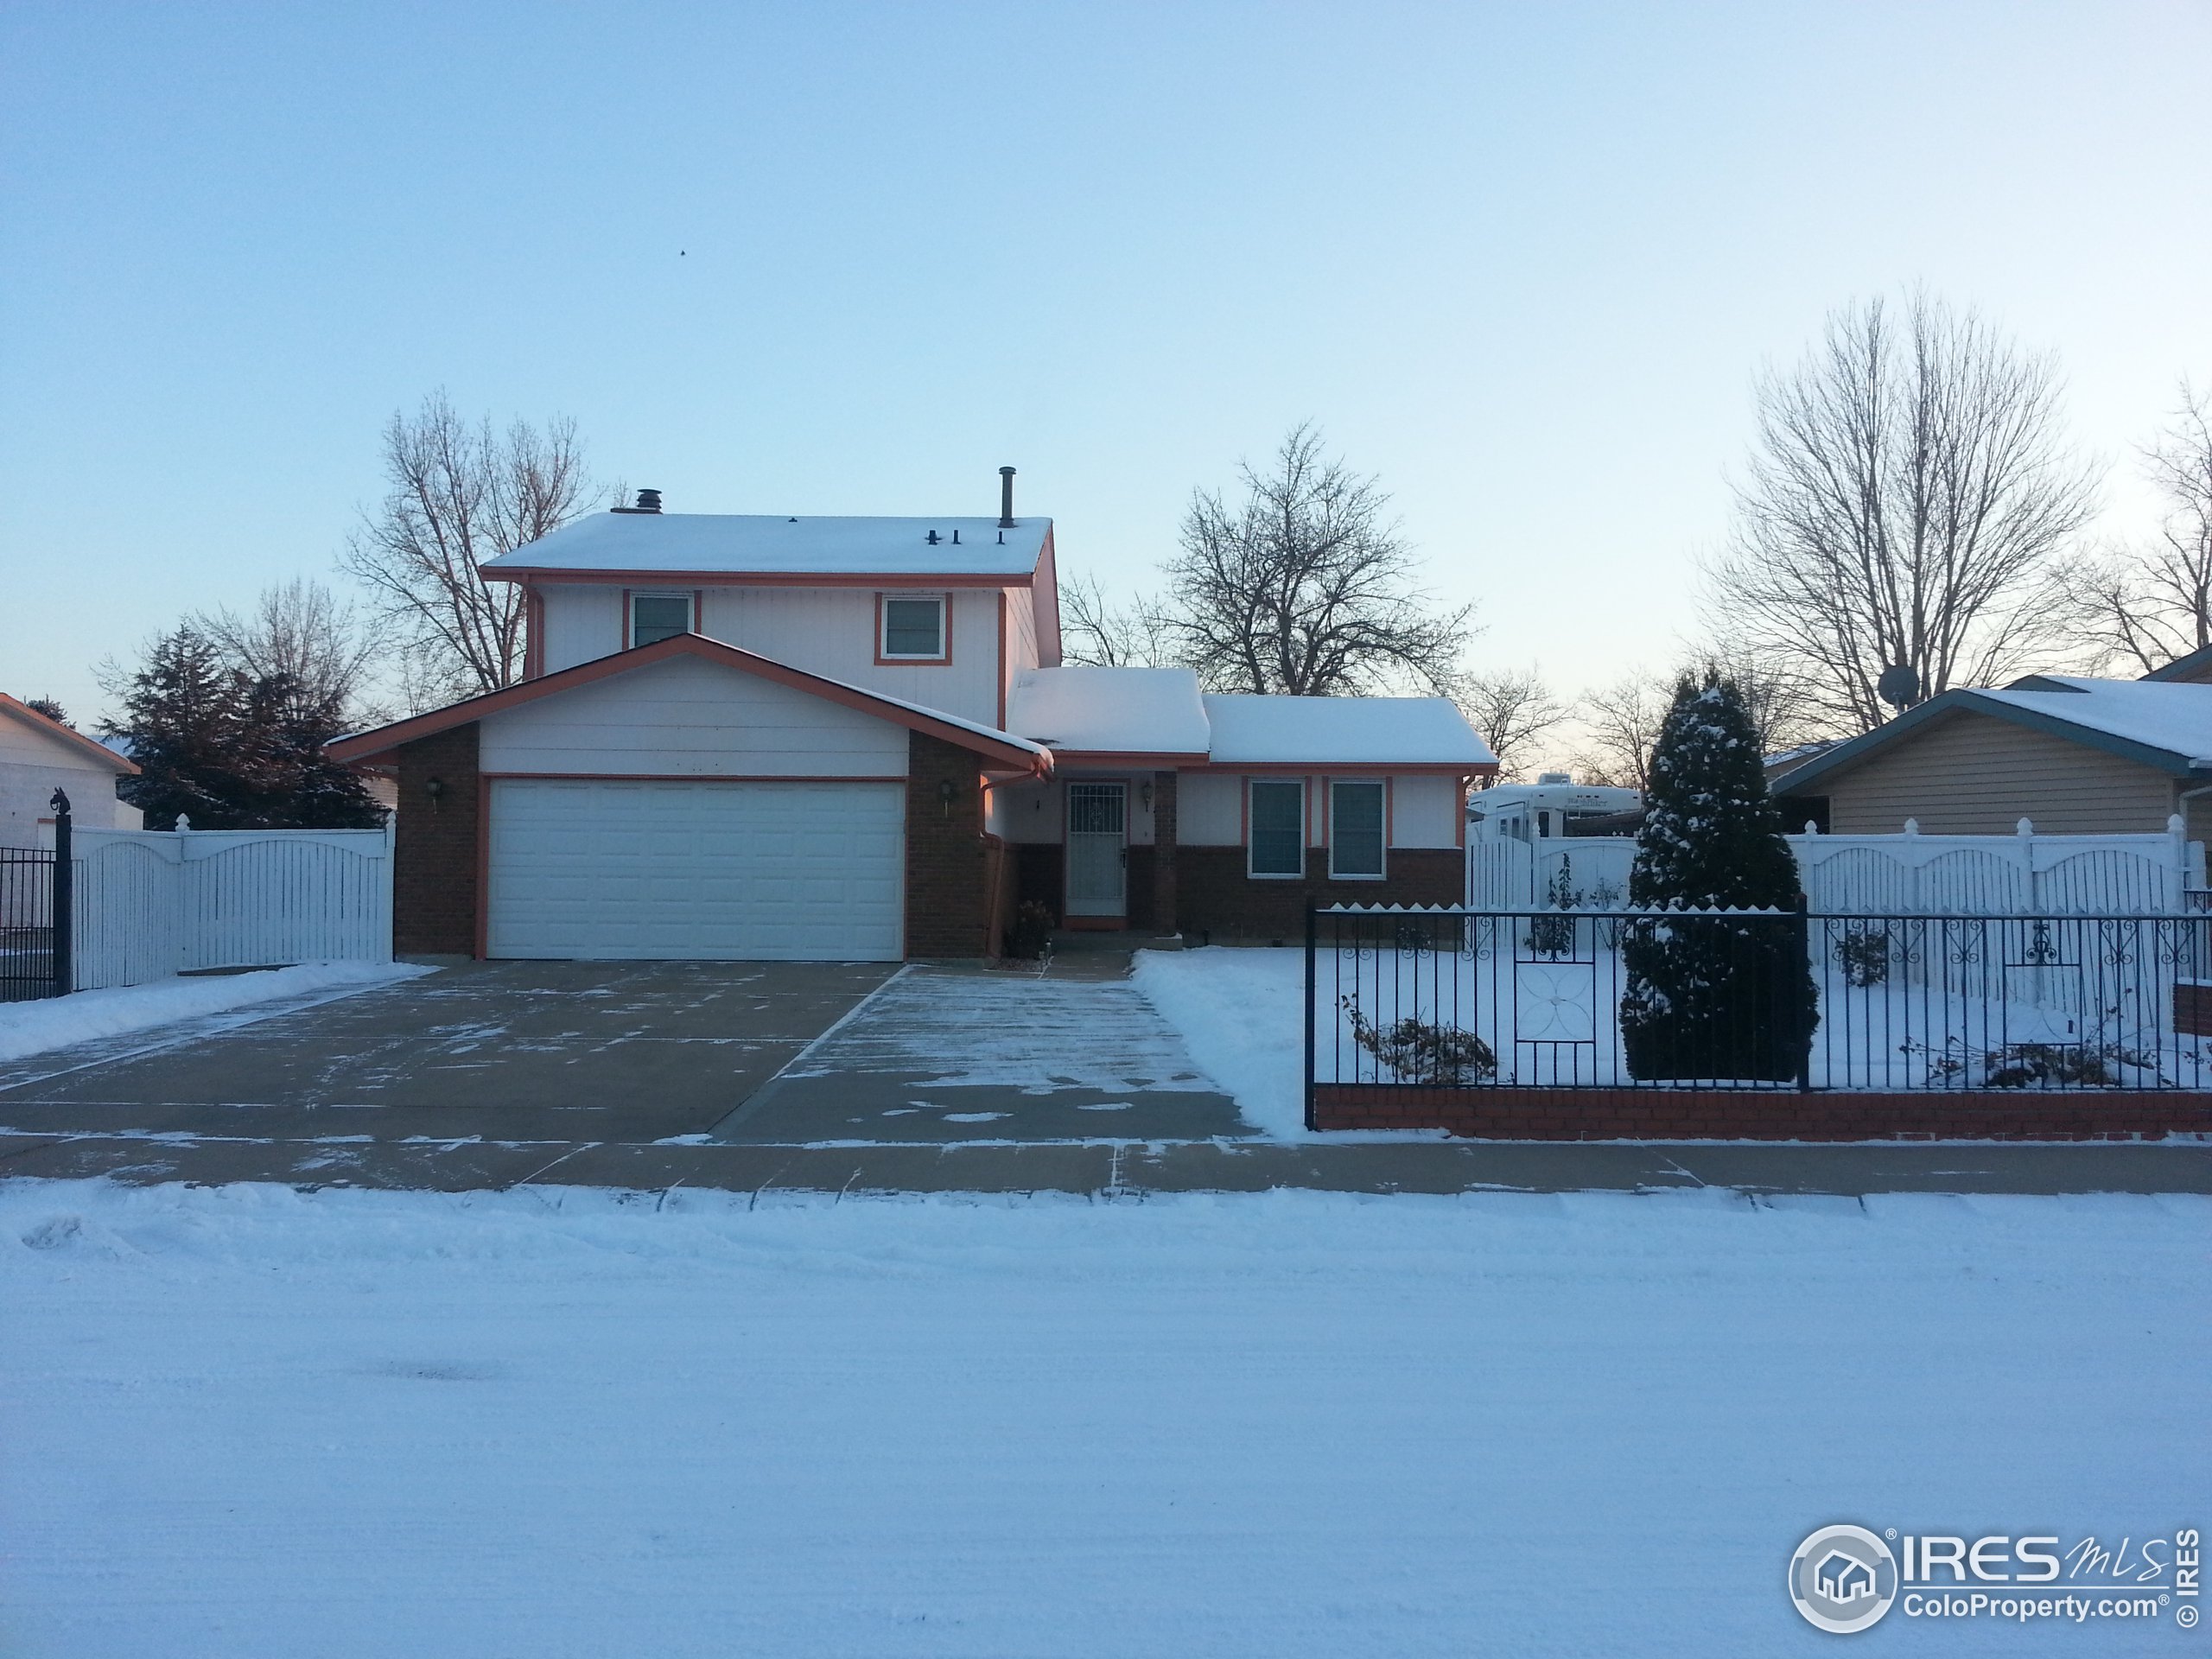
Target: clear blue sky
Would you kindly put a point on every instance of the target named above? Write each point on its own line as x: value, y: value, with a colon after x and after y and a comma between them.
x: 1522, y: 261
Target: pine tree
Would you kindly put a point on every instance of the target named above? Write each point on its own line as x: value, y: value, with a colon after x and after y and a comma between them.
x: 229, y: 751
x: 1709, y: 997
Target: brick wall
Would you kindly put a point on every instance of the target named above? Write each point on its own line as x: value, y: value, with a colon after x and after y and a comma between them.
x: 1040, y: 876
x: 1214, y: 896
x: 1162, y: 885
x: 948, y: 870
x: 1726, y: 1115
x: 434, y: 885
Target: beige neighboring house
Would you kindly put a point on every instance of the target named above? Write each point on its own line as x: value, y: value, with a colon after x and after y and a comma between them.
x: 38, y: 756
x: 2074, y: 755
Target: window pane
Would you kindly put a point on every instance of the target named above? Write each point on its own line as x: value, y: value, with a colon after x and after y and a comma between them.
x: 659, y: 616
x: 1277, y: 828
x: 1355, y: 830
x: 914, y: 627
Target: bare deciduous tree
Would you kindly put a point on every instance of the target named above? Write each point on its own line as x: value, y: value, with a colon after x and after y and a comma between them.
x: 1098, y: 633
x: 1620, y: 724
x: 299, y: 632
x: 1908, y: 493
x: 2143, y: 609
x: 460, y: 495
x: 1304, y: 588
x: 1514, y: 710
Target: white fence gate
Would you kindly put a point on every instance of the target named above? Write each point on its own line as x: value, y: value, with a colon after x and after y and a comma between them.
x: 151, y: 902
x: 1911, y: 874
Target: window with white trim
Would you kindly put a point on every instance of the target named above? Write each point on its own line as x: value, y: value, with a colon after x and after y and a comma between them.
x: 1277, y: 841
x: 912, y: 627
x: 1356, y: 831
x: 659, y: 616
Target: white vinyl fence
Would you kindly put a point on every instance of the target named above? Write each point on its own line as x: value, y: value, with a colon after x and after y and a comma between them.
x: 1910, y: 874
x: 152, y: 903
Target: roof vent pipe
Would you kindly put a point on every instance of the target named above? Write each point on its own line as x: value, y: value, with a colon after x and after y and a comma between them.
x: 648, y: 501
x: 1005, y: 498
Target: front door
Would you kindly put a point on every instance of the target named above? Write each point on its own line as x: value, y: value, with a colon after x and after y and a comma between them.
x: 1098, y: 873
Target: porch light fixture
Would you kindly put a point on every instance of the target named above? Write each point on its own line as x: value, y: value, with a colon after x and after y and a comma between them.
x: 945, y: 792
x: 1144, y: 794
x: 436, y: 789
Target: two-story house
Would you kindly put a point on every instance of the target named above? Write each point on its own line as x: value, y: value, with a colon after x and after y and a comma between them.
x: 853, y: 739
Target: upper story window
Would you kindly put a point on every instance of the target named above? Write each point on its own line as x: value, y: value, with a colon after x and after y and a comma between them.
x: 1356, y: 831
x: 1278, y: 836
x: 911, y: 628
x: 659, y: 616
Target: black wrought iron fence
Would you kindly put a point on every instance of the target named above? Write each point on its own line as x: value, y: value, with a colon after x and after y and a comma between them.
x: 1757, y: 1000
x: 35, y: 914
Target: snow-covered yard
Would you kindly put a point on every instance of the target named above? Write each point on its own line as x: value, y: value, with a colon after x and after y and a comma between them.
x: 249, y: 1422
x: 57, y: 1022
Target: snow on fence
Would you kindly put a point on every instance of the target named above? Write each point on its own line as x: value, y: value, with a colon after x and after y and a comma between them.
x: 1910, y: 874
x: 153, y: 903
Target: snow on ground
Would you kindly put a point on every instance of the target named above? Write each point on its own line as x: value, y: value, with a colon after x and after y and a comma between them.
x: 34, y: 1027
x: 1241, y: 1012
x: 252, y: 1421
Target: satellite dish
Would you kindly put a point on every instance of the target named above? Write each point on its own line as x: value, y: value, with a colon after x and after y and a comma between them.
x: 1899, y: 686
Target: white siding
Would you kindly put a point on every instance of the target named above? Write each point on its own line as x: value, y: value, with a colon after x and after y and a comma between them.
x: 1021, y: 635
x: 577, y: 623
x: 832, y: 632
x: 689, y: 718
x: 1210, y: 810
x: 33, y: 764
x: 1425, y: 811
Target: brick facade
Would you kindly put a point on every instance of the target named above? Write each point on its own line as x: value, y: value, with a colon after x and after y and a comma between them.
x: 950, y: 873
x: 435, y: 841
x: 1216, y: 898
x: 1162, y: 879
x: 1728, y: 1114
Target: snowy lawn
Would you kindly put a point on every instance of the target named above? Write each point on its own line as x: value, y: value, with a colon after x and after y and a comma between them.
x: 34, y: 1027
x: 247, y: 1421
x: 1242, y: 1013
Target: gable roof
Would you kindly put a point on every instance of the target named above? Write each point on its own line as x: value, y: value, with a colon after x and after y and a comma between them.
x: 993, y: 745
x: 610, y: 545
x: 2196, y: 666
x: 2165, y: 726
x: 90, y: 748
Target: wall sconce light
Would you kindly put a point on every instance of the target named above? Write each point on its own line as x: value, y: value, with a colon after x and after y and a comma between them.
x: 945, y: 792
x: 436, y: 789
x: 1144, y: 794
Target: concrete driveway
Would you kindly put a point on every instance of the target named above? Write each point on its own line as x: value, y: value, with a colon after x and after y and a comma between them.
x: 509, y: 1051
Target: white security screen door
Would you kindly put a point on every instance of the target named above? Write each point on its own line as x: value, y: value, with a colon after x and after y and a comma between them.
x: 1098, y: 875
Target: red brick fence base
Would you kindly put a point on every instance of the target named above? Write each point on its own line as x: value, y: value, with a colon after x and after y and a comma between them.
x: 1731, y: 1115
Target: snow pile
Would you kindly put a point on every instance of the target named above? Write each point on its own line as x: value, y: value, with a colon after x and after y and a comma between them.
x: 1241, y: 1012
x: 249, y: 1422
x: 36, y: 1028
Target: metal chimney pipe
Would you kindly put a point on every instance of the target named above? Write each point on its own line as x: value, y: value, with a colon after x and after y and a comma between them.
x: 1005, y: 498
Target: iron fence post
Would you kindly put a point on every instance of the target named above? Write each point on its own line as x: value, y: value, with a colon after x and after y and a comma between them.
x: 1310, y: 924
x: 61, y: 901
x: 1806, y: 1017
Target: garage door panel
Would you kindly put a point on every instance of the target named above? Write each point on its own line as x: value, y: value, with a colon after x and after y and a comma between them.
x: 696, y: 870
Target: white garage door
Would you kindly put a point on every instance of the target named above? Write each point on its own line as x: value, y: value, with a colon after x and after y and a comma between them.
x: 670, y: 871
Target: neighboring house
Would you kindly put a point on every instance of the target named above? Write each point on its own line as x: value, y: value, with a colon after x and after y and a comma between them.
x: 747, y: 737
x: 2074, y: 755
x: 38, y: 756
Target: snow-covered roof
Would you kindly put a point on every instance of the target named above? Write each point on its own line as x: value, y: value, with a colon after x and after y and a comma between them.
x: 1110, y: 710
x: 1338, y: 731
x: 2159, y: 723
x: 2163, y: 713
x: 772, y: 544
